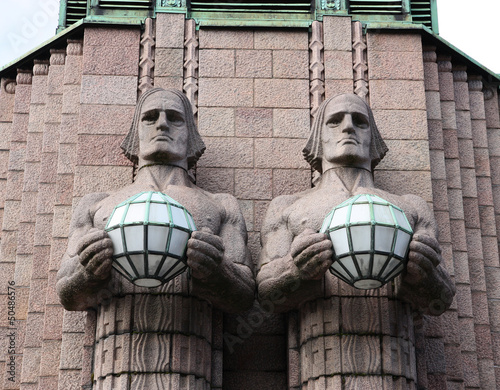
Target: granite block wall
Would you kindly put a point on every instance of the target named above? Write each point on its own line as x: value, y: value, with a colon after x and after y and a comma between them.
x: 254, y: 90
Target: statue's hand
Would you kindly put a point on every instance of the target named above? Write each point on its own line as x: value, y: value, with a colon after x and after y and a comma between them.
x: 205, y: 252
x: 424, y: 257
x: 425, y: 283
x: 312, y: 254
x: 95, y: 251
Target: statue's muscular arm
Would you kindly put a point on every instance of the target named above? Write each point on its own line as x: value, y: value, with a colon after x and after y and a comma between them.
x: 425, y: 283
x: 86, y: 265
x: 292, y: 267
x: 221, y: 264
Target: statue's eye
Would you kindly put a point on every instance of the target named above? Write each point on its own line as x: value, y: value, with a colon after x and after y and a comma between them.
x: 150, y: 116
x: 360, y: 121
x: 334, y: 120
x: 175, y: 118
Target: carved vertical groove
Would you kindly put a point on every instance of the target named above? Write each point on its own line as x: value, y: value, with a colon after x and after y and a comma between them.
x: 316, y: 66
x: 146, y: 62
x: 359, y: 60
x: 191, y: 64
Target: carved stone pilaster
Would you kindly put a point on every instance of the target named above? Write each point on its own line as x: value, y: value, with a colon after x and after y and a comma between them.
x: 444, y: 63
x: 74, y: 48
x: 316, y: 66
x: 57, y: 57
x: 430, y: 54
x: 475, y: 83
x: 8, y: 85
x: 191, y: 64
x: 40, y: 67
x: 147, y: 63
x: 359, y: 60
x: 459, y: 73
x: 488, y: 92
x: 24, y: 76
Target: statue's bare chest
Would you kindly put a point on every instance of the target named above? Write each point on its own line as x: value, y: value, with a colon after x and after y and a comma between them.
x: 309, y: 211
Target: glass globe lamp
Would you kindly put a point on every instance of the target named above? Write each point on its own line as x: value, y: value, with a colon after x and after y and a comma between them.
x: 150, y: 232
x: 371, y: 239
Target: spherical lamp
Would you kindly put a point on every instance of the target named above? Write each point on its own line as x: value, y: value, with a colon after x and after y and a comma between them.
x: 371, y: 239
x: 150, y: 232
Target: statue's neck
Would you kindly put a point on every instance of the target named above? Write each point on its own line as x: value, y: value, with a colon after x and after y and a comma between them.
x: 160, y: 176
x: 350, y: 178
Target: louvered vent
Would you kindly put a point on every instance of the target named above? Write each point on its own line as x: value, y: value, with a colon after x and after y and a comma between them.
x: 421, y: 12
x: 291, y: 6
x: 125, y: 4
x: 75, y: 10
x: 375, y: 7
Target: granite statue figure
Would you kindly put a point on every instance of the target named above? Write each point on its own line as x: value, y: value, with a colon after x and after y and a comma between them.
x: 344, y: 147
x: 165, y: 144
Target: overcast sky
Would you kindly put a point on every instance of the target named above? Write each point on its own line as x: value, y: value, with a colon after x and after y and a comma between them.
x: 471, y: 26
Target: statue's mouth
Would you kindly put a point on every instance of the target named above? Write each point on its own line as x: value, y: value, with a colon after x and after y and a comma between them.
x: 162, y: 137
x: 352, y: 141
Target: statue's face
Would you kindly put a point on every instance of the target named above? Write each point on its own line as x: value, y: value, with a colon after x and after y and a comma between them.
x: 346, y: 134
x: 163, y: 131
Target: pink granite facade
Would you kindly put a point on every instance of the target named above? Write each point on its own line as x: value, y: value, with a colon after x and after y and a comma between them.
x: 62, y: 120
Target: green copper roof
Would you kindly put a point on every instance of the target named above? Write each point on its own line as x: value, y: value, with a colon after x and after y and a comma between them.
x: 291, y: 13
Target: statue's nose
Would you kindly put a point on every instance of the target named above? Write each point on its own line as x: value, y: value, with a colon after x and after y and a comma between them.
x: 162, y: 122
x: 347, y: 124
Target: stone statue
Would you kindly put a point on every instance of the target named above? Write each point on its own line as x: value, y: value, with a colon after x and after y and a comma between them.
x: 165, y: 144
x: 344, y: 147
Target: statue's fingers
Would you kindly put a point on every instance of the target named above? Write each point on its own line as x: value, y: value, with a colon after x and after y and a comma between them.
x: 94, y: 235
x: 318, y: 265
x: 430, y: 241
x: 206, y: 235
x: 420, y: 250
x: 96, y: 247
x: 201, y: 265
x: 207, y: 249
x: 100, y: 264
x: 304, y: 240
x: 313, y: 250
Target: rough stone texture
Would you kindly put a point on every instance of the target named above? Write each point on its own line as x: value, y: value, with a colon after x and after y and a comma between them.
x: 253, y: 122
x: 395, y: 65
x: 225, y: 92
x: 215, y: 63
x: 254, y: 63
x: 338, y: 65
x: 280, y: 40
x: 291, y: 123
x: 226, y: 39
x: 228, y: 152
x: 98, y: 89
x: 110, y: 60
x: 337, y: 33
x: 269, y: 93
x: 397, y: 94
x: 170, y: 30
x: 290, y: 64
x: 218, y: 122
x: 169, y: 62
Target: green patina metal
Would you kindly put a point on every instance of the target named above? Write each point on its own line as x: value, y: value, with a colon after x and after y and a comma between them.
x: 274, y: 13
